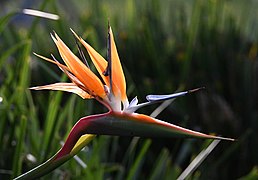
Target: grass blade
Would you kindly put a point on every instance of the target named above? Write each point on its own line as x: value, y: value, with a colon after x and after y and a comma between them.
x: 135, y: 169
x: 198, y: 160
x: 42, y: 14
x: 51, y: 121
x: 17, y: 160
x: 5, y: 20
x: 160, y: 165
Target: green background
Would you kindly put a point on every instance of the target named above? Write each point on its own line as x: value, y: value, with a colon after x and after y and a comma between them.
x: 164, y: 46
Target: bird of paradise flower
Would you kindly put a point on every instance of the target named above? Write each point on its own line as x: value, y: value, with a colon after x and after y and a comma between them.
x: 121, y: 118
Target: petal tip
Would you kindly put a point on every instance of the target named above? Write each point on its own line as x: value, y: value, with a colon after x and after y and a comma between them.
x: 74, y: 33
x: 55, y: 37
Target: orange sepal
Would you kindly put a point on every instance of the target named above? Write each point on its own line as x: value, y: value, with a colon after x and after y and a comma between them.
x: 99, y: 62
x: 117, y: 71
x: 67, y: 87
x: 83, y: 73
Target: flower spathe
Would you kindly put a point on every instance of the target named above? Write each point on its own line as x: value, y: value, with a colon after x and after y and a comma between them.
x: 110, y: 90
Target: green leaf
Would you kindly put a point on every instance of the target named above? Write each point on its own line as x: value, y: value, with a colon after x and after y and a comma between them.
x: 160, y: 166
x: 50, y: 124
x: 5, y: 20
x: 252, y: 175
x: 17, y: 159
x: 134, y: 171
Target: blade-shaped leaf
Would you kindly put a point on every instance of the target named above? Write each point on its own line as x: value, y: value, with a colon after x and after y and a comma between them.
x: 198, y: 160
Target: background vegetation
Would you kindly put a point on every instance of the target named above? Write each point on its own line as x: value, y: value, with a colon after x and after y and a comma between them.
x: 164, y: 46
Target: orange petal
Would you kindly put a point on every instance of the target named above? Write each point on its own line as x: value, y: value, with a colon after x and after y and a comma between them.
x: 99, y: 62
x: 117, y: 72
x: 67, y: 87
x: 52, y: 61
x: 83, y: 73
x: 67, y: 71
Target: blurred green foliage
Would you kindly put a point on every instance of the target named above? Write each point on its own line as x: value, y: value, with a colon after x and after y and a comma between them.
x: 164, y: 46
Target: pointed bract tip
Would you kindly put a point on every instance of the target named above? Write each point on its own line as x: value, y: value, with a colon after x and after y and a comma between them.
x: 196, y: 89
x: 108, y: 23
x: 226, y: 139
x: 38, y: 55
x: 53, y: 36
x: 74, y: 33
x: 33, y: 88
x: 109, y: 28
